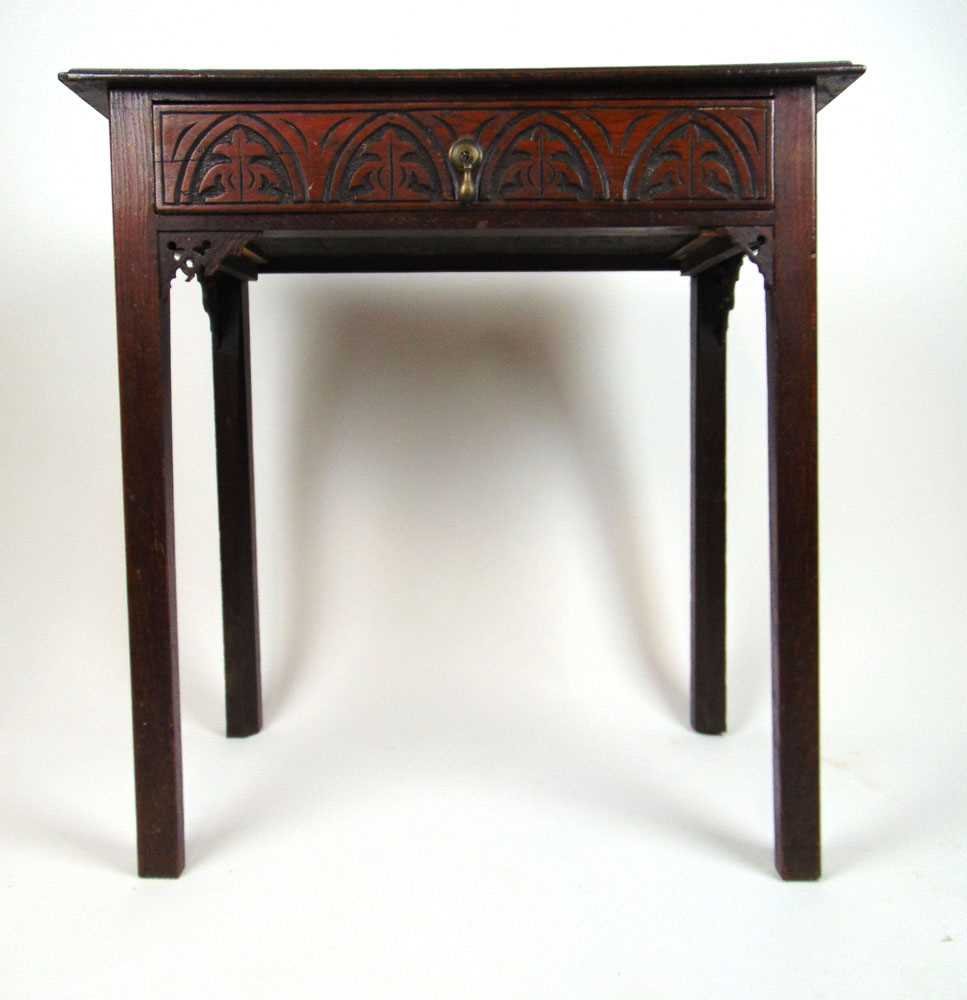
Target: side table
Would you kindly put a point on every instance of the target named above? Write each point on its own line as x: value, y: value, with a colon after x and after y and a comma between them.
x: 227, y: 175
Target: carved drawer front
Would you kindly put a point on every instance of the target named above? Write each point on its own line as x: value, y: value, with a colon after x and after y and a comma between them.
x: 305, y: 157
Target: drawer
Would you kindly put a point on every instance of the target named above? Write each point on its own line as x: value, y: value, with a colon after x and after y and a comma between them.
x: 255, y: 157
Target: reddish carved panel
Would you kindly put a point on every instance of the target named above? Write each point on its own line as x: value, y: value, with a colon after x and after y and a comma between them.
x: 312, y: 158
x: 697, y: 153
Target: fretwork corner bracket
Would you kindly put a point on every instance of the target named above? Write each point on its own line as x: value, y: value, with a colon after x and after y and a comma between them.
x: 713, y: 247
x: 203, y: 255
x: 756, y: 243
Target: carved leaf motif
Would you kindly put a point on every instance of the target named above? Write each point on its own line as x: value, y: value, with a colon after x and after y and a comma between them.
x: 542, y: 163
x: 518, y: 177
x: 564, y: 173
x: 365, y: 180
x: 691, y: 161
x: 241, y: 167
x: 667, y: 169
x: 716, y: 173
x: 414, y: 173
x: 391, y: 165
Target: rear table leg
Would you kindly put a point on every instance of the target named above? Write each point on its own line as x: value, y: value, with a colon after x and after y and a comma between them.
x: 226, y: 300
x: 712, y: 298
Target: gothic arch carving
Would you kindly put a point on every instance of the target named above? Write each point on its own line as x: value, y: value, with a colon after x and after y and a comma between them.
x: 241, y: 159
x: 389, y: 158
x: 694, y: 154
x: 542, y: 155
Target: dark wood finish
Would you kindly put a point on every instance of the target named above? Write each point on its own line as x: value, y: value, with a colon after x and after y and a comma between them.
x: 222, y: 176
x: 712, y: 299
x: 791, y: 374
x: 485, y: 221
x: 145, y: 384
x: 226, y: 300
x: 829, y: 79
x: 310, y: 157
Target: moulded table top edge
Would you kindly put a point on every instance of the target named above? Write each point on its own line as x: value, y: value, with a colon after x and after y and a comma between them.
x: 830, y: 78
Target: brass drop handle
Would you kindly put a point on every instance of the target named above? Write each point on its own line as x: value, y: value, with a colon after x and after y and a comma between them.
x: 466, y: 156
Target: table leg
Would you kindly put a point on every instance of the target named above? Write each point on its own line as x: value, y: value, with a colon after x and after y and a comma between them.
x: 226, y: 299
x: 791, y: 364
x: 145, y: 396
x: 712, y: 298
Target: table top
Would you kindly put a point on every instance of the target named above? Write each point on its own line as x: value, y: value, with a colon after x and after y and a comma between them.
x: 645, y: 167
x: 830, y: 79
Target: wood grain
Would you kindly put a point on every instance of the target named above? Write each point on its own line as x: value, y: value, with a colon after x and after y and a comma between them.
x: 829, y: 79
x: 226, y: 300
x: 305, y: 157
x: 145, y: 389
x: 712, y: 299
x: 223, y: 175
x: 791, y: 376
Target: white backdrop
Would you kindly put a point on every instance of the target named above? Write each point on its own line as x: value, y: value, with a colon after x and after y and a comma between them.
x: 476, y: 778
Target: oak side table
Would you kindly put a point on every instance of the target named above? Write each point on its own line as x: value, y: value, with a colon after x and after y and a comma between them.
x: 225, y: 176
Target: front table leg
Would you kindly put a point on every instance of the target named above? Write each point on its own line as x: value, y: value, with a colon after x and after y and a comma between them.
x: 145, y: 394
x: 791, y: 374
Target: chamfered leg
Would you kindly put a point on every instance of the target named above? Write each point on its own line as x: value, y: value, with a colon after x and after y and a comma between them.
x: 712, y: 299
x: 145, y: 396
x: 791, y: 374
x: 226, y: 300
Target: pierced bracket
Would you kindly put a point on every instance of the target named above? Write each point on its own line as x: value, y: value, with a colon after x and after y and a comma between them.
x: 713, y: 246
x: 756, y: 242
x: 204, y: 255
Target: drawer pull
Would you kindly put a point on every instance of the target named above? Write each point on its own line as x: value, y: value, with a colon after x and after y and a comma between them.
x: 466, y: 156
